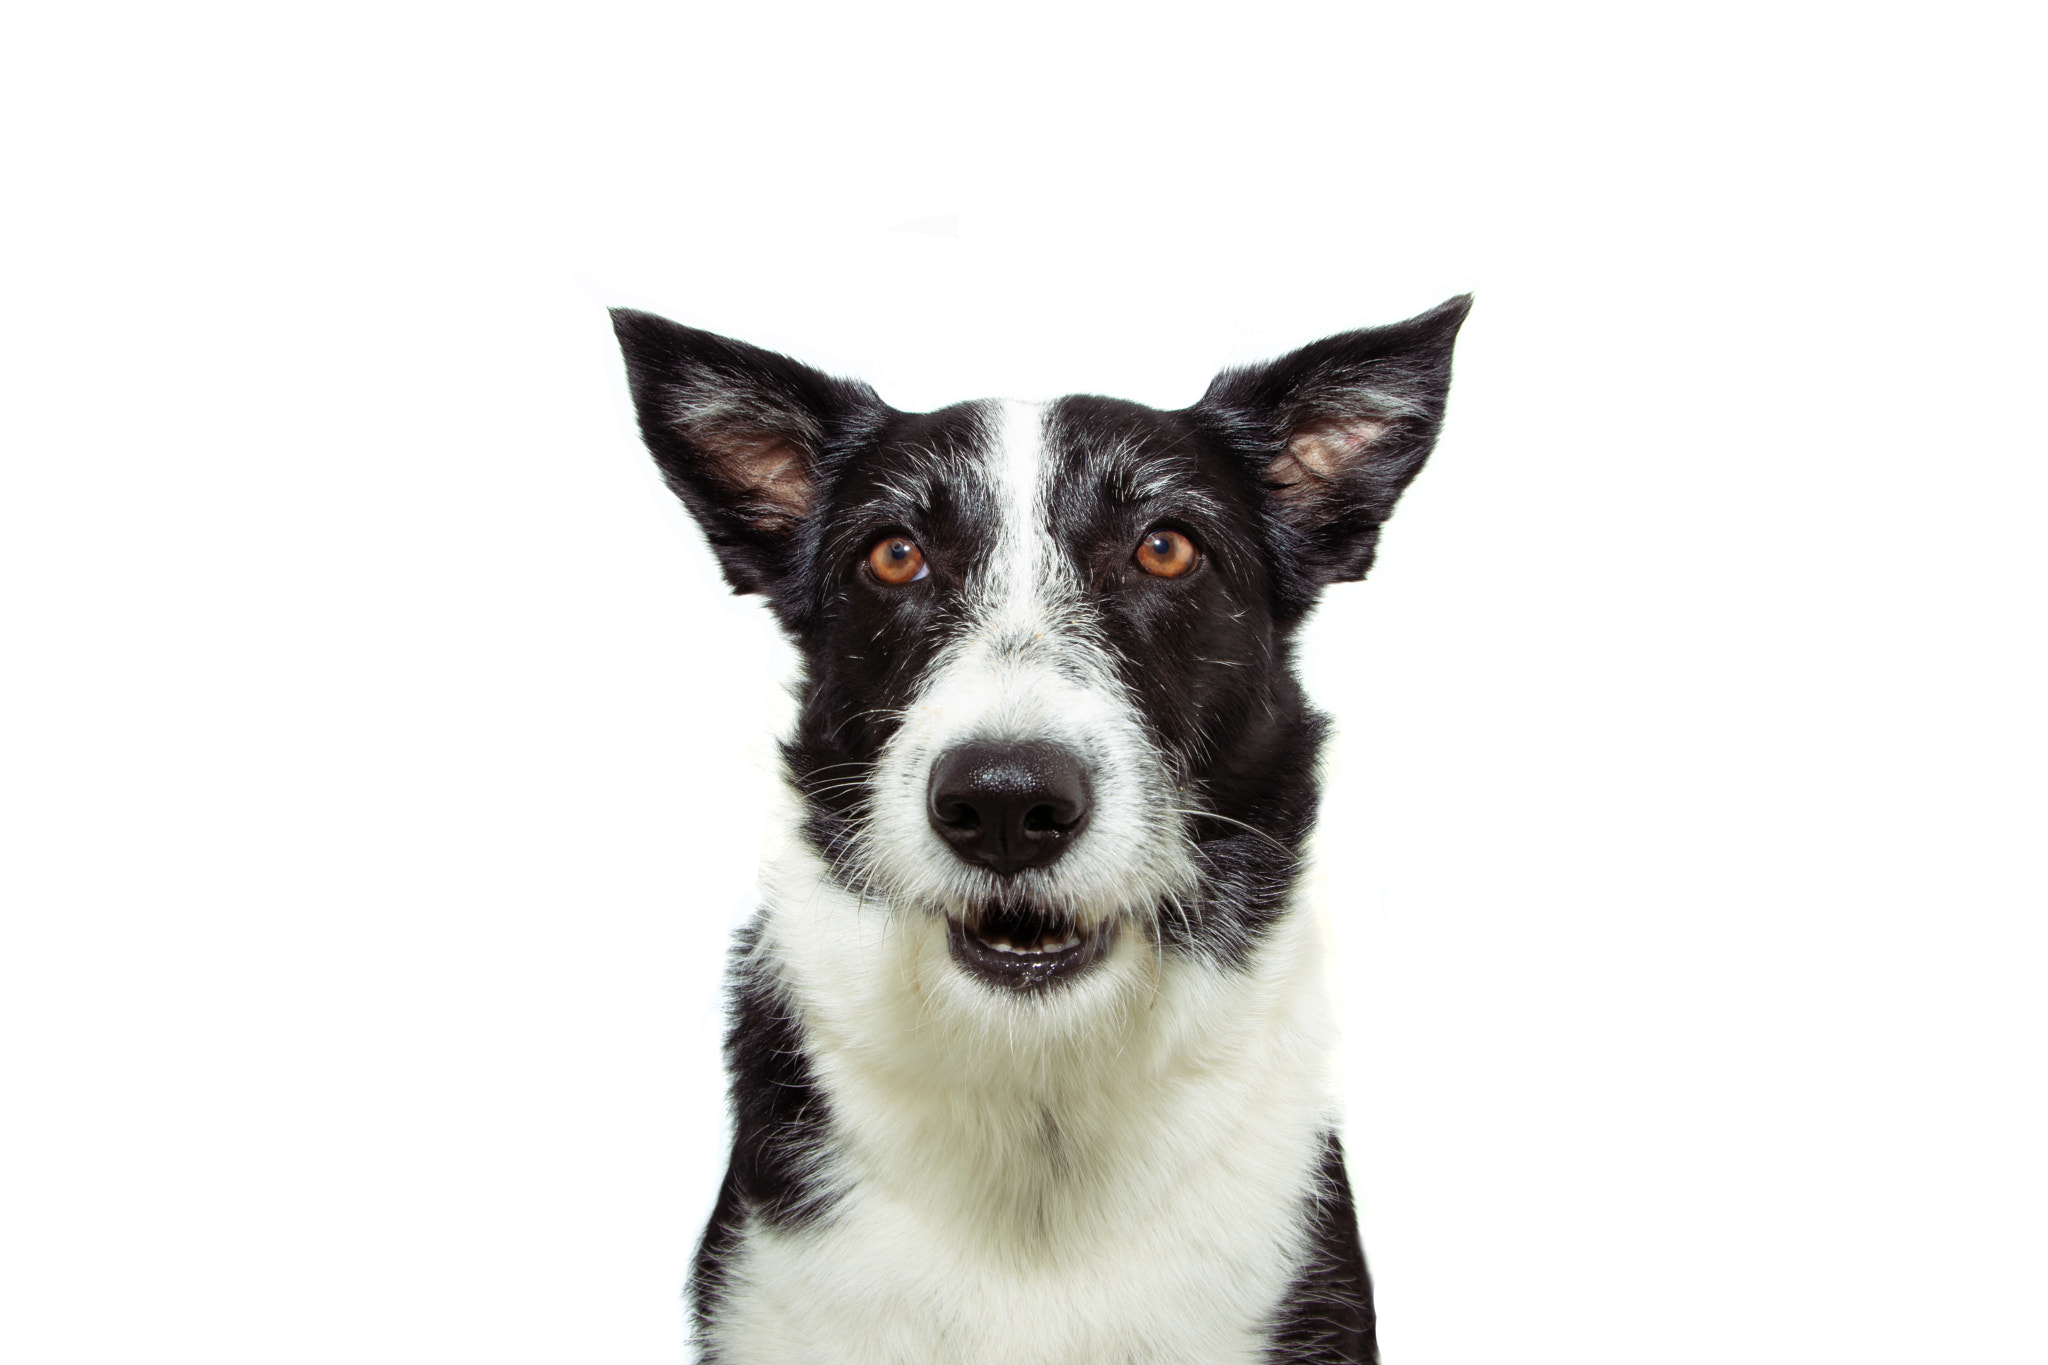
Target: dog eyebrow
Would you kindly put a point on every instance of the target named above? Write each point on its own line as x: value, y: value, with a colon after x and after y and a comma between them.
x: 898, y: 494
x: 1163, y: 488
x: 907, y: 489
x: 1135, y: 470
x: 921, y: 480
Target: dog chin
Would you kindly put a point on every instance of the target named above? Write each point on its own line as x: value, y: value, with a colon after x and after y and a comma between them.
x: 1021, y: 948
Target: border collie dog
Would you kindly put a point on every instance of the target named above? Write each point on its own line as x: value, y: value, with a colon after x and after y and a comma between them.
x: 1030, y: 1046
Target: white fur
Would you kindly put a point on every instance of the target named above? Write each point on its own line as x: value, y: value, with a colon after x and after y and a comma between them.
x: 1020, y: 585
x: 1110, y: 1173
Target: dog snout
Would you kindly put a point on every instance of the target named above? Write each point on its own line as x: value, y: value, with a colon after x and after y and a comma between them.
x: 1009, y: 806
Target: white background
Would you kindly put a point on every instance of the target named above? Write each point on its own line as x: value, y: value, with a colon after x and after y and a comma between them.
x: 381, y: 757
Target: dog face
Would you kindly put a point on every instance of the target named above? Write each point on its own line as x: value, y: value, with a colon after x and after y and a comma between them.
x: 1047, y: 693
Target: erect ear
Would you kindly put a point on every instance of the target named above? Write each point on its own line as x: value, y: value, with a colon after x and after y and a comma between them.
x: 1337, y: 429
x: 740, y: 434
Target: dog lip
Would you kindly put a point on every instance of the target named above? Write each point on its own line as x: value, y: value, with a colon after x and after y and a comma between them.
x: 1023, y: 970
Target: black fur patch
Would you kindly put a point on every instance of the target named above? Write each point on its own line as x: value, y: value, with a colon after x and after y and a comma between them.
x: 1326, y: 1316
x: 780, y: 1124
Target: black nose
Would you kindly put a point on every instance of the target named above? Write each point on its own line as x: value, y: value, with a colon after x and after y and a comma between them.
x: 1009, y: 806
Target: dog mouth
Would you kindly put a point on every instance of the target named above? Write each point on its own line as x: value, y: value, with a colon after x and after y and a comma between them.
x: 1019, y: 948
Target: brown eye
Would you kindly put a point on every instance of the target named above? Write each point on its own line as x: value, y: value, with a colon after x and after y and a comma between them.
x: 897, y: 560
x: 1167, y: 554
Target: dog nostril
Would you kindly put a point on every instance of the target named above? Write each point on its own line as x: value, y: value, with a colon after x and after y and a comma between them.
x: 1009, y: 806
x: 1040, y: 818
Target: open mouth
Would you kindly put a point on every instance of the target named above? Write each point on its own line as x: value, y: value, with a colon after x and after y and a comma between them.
x: 1021, y: 949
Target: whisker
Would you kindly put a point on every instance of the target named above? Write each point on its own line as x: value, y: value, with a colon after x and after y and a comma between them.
x: 1157, y: 959
x: 896, y: 711
x: 1212, y: 815
x: 830, y: 787
x: 1186, y: 925
x: 832, y: 767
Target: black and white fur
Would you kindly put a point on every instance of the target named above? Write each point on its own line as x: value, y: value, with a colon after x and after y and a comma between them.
x: 1104, y: 1129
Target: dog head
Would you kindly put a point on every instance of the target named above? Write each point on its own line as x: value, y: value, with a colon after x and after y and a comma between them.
x: 1047, y: 690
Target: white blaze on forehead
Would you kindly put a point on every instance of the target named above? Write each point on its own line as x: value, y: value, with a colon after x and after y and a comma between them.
x: 1021, y: 566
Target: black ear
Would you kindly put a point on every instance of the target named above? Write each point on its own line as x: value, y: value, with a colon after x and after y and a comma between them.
x: 741, y: 435
x: 1337, y: 429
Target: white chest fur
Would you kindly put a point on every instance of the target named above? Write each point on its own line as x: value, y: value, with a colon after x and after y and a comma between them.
x: 1114, y: 1172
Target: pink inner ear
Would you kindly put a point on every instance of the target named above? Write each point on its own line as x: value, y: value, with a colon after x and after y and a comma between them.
x: 778, y: 470
x: 771, y: 470
x: 1322, y: 452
